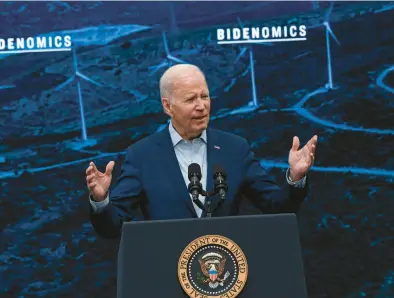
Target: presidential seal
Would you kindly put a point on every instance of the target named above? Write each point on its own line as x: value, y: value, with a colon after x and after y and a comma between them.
x: 212, y: 266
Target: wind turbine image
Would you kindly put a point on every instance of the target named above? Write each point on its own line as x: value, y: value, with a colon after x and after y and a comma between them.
x: 78, y: 76
x: 251, y: 65
x: 328, y: 45
x: 168, y: 60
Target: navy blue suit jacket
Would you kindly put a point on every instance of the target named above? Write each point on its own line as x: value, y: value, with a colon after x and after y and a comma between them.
x: 150, y: 185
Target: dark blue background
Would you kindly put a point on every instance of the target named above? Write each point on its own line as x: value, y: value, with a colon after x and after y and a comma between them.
x: 48, y: 247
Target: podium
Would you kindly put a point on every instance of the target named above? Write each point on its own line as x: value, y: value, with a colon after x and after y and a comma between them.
x: 257, y: 256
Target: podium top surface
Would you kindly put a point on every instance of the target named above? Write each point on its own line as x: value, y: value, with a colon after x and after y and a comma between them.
x: 271, y: 218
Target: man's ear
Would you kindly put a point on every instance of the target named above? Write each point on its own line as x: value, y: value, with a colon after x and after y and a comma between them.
x: 165, y: 101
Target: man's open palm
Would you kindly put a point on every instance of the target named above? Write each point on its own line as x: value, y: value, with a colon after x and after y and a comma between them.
x: 300, y: 160
x: 98, y: 182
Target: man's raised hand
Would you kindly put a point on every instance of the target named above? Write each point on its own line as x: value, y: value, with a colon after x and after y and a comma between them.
x: 98, y: 183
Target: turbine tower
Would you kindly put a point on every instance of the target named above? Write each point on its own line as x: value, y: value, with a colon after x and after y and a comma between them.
x: 78, y: 77
x: 329, y: 32
x: 251, y: 66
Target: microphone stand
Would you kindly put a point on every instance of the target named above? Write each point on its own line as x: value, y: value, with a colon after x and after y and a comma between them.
x: 207, y: 196
x: 209, y: 206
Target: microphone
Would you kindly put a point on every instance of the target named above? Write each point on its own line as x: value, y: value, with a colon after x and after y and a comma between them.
x: 219, y: 178
x: 195, y: 186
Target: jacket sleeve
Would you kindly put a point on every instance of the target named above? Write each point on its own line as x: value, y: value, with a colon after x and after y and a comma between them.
x: 124, y: 200
x: 263, y: 191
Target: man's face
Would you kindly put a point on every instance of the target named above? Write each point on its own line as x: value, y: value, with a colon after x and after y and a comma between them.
x: 190, y: 105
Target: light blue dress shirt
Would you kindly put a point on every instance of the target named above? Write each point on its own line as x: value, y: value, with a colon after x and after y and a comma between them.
x: 188, y: 152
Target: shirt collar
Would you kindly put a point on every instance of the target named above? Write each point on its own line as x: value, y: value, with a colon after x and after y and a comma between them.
x: 176, y: 138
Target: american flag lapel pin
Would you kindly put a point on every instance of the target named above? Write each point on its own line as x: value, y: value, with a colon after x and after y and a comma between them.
x: 216, y: 147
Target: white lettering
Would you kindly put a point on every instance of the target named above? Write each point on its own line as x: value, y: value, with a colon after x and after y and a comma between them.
x: 11, y: 43
x: 38, y: 42
x: 41, y: 42
x: 265, y: 32
x: 219, y: 33
x: 293, y: 32
x: 20, y: 43
x: 302, y: 30
x: 276, y: 32
x: 67, y: 40
x: 236, y: 33
x: 245, y: 33
x: 30, y: 42
x: 58, y: 41
x: 255, y: 32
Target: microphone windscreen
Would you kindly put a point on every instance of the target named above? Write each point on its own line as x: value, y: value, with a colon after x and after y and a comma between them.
x: 194, y: 168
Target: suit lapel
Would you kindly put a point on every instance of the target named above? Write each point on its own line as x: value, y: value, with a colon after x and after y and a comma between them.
x: 171, y: 164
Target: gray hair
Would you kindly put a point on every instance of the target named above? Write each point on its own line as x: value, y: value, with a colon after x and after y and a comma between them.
x: 171, y: 75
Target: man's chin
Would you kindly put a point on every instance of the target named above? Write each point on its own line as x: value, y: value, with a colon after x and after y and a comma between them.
x: 198, y: 129
x: 202, y: 126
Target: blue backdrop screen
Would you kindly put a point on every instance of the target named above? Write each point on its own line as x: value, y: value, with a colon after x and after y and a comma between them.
x: 79, y: 83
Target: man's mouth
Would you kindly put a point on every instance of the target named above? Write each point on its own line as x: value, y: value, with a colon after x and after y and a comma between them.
x: 200, y: 118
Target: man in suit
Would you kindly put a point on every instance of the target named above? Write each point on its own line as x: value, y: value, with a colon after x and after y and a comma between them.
x: 153, y: 180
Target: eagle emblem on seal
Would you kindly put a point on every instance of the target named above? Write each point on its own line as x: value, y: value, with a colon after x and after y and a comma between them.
x: 212, y: 266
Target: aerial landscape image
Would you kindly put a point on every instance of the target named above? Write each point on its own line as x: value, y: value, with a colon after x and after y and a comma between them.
x: 61, y: 110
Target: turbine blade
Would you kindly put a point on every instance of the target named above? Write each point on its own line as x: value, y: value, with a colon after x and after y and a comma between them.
x: 241, y: 53
x: 329, y: 11
x: 136, y: 93
x: 175, y: 59
x: 64, y: 84
x: 82, y: 76
x: 156, y: 68
x: 332, y: 33
x: 7, y: 86
x: 315, y: 26
x: 164, y: 63
x: 240, y: 23
x: 165, y: 43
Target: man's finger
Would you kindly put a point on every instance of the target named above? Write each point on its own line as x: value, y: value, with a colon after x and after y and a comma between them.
x: 312, y: 144
x: 90, y: 178
x: 296, y: 144
x: 89, y: 170
x: 306, y: 152
x: 313, y: 148
x: 92, y: 185
x: 314, y: 140
x: 94, y: 168
x: 109, y: 168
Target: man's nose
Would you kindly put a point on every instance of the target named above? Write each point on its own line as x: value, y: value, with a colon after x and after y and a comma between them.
x: 200, y: 104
